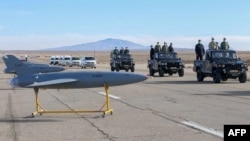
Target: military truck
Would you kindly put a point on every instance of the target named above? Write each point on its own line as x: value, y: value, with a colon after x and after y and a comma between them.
x: 122, y: 62
x: 221, y: 65
x: 166, y: 62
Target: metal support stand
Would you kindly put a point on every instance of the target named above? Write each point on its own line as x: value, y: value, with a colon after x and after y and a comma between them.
x: 40, y: 110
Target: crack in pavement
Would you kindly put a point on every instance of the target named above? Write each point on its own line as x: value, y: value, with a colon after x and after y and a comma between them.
x: 12, y: 118
x: 106, y: 135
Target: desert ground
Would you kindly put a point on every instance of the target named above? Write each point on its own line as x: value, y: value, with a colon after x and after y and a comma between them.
x: 140, y: 57
x: 170, y: 108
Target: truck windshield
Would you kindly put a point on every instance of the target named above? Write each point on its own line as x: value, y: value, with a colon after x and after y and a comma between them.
x: 224, y: 55
x: 124, y: 56
x: 167, y: 56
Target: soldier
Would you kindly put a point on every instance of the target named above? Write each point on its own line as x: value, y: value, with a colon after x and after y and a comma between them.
x: 164, y: 47
x: 212, y: 45
x: 224, y: 45
x: 122, y: 50
x: 152, y: 52
x: 199, y: 50
x: 116, y: 51
x: 157, y: 47
x: 170, y: 48
x: 126, y: 51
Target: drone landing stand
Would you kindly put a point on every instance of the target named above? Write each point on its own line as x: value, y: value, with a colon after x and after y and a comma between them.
x: 40, y: 110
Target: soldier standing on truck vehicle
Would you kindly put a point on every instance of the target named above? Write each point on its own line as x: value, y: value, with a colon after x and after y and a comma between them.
x: 212, y: 45
x: 170, y: 48
x: 116, y: 51
x: 126, y: 50
x: 157, y: 47
x: 224, y: 45
x: 164, y: 47
x: 152, y: 52
x: 122, y: 50
x: 199, y: 50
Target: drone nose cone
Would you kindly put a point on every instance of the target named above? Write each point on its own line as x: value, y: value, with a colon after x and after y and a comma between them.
x: 140, y: 77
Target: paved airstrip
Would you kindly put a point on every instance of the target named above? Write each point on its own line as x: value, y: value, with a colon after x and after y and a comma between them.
x: 169, y: 108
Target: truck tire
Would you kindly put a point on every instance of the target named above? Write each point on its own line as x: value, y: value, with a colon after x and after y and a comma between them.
x: 243, y: 77
x: 161, y: 72
x: 181, y: 72
x: 200, y: 76
x: 151, y: 72
x: 132, y: 69
x: 224, y: 77
x: 216, y: 77
x: 112, y: 68
x: 170, y: 73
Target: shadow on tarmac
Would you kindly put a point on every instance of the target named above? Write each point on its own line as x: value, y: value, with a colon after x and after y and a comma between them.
x: 27, y: 120
x: 178, y: 82
x: 231, y: 93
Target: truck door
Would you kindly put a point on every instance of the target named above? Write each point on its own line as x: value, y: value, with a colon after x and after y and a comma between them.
x: 207, y: 63
x: 207, y: 66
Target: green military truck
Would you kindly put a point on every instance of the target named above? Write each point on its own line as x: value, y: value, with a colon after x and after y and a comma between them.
x: 166, y: 63
x: 221, y: 65
x: 122, y: 62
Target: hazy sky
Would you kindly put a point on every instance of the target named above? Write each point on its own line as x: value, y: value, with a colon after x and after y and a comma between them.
x: 37, y: 24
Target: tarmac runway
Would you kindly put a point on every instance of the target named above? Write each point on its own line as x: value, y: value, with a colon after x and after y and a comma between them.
x: 169, y: 108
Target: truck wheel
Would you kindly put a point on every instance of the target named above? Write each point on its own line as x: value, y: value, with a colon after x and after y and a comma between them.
x: 161, y: 72
x: 224, y: 77
x: 151, y: 72
x: 117, y: 69
x: 181, y: 72
x: 170, y: 73
x: 126, y: 70
x: 132, y: 69
x: 112, y: 69
x: 217, y: 77
x: 200, y: 76
x: 243, y: 77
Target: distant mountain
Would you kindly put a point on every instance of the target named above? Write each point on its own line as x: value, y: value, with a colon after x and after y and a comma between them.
x: 107, y: 44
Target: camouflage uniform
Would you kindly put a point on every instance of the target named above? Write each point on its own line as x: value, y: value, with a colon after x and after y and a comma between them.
x: 157, y: 47
x: 164, y: 47
x: 116, y: 51
x: 224, y: 45
x: 212, y: 45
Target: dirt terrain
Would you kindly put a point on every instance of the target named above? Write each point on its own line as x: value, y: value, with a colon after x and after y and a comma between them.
x: 140, y: 57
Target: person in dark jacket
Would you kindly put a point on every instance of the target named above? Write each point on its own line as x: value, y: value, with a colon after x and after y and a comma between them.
x: 199, y: 50
x: 126, y: 51
x: 152, y: 52
x: 170, y: 48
